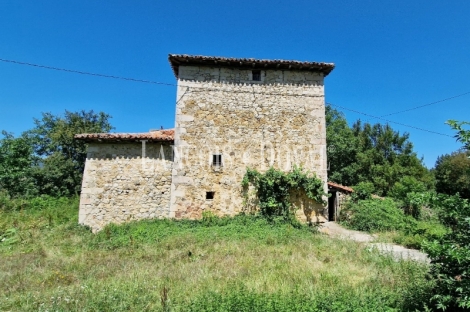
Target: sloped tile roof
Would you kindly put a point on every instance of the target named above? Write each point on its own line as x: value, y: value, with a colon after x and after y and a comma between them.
x: 178, y: 59
x: 340, y: 187
x: 152, y: 136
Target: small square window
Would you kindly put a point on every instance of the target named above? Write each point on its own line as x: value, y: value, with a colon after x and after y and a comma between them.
x: 210, y: 195
x: 256, y: 75
x: 217, y: 160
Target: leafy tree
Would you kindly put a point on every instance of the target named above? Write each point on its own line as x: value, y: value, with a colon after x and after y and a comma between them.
x: 47, y: 159
x: 387, y: 156
x: 16, y: 163
x: 462, y: 135
x: 450, y: 256
x: 342, y: 148
x: 374, y: 153
x: 452, y: 174
x: 63, y: 157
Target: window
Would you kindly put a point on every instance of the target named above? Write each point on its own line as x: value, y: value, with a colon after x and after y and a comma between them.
x: 210, y: 195
x: 217, y: 160
x: 256, y: 75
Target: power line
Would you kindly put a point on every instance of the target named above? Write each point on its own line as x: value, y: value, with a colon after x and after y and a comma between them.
x: 149, y: 81
x: 389, y: 121
x: 238, y: 91
x: 429, y: 104
x: 88, y: 73
x: 206, y: 88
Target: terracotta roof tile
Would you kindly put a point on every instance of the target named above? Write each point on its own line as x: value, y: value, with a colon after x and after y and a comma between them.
x: 152, y: 136
x: 177, y: 59
x: 340, y: 187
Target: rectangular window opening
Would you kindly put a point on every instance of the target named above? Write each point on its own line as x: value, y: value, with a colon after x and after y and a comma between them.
x: 217, y: 160
x: 256, y: 75
x: 210, y: 195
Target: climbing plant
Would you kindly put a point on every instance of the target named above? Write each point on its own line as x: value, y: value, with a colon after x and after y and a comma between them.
x: 274, y: 188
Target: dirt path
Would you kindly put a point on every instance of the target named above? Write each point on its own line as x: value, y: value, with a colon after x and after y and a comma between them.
x: 398, y: 252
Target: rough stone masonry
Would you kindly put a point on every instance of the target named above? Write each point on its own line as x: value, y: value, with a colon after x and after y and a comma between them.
x: 230, y: 114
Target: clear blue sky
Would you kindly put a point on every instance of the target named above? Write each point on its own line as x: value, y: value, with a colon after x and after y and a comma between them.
x: 389, y: 56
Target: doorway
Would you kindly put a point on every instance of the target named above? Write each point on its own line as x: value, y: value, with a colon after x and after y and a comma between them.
x: 332, y: 206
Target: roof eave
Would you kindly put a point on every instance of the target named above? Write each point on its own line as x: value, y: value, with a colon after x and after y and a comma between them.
x: 178, y: 59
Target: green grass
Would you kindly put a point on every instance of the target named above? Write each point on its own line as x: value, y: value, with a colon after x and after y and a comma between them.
x: 414, y: 235
x: 49, y: 263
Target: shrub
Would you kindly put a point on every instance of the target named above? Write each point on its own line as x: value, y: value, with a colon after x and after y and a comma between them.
x: 374, y: 215
x: 406, y: 185
x: 412, y: 194
x: 418, y: 232
x: 363, y: 191
x: 450, y: 256
x: 274, y: 187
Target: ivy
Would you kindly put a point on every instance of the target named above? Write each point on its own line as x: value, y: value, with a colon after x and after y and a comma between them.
x: 274, y: 189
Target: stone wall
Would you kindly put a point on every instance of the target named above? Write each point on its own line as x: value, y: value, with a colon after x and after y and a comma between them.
x: 124, y: 182
x: 278, y: 121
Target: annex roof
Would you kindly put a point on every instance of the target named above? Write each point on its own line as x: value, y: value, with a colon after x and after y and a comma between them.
x: 340, y: 187
x: 183, y: 59
x: 151, y: 136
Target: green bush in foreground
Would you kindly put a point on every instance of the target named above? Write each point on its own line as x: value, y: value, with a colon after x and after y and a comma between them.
x: 375, y: 215
x: 450, y: 256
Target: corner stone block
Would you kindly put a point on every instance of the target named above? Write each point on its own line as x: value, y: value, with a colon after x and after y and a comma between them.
x: 184, y: 118
x: 182, y: 180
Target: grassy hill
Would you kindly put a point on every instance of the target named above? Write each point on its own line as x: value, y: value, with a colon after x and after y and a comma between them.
x: 50, y: 263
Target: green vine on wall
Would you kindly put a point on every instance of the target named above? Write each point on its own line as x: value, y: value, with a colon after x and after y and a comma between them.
x: 274, y: 189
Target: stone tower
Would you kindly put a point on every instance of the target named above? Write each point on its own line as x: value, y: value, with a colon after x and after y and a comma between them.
x: 237, y: 113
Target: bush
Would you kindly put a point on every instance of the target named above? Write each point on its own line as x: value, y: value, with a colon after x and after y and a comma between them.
x: 406, y: 185
x: 418, y: 232
x: 363, y: 191
x: 412, y: 194
x: 274, y: 188
x: 375, y: 215
x: 450, y: 256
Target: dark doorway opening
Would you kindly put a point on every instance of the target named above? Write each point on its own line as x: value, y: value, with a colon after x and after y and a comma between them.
x: 332, y: 206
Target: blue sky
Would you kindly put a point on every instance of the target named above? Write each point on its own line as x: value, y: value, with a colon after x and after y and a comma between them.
x: 389, y: 56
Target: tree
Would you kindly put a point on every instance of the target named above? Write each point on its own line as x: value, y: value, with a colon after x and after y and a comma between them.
x: 16, y: 163
x: 63, y: 157
x: 452, y: 171
x: 450, y: 255
x: 342, y: 148
x: 47, y: 159
x: 462, y: 134
x: 452, y: 174
x: 370, y: 153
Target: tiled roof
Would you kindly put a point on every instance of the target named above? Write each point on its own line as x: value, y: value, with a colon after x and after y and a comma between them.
x: 340, y: 187
x: 177, y: 59
x: 152, y: 136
